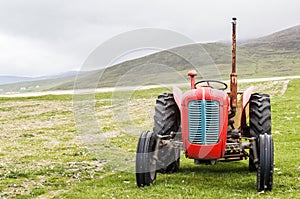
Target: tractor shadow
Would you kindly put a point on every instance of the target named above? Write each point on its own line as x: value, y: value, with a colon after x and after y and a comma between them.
x: 229, y: 176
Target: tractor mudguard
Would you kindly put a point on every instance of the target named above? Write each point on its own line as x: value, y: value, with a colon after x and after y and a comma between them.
x: 177, y: 93
x: 246, y: 96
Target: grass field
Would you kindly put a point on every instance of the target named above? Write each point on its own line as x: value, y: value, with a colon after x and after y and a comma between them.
x: 42, y: 155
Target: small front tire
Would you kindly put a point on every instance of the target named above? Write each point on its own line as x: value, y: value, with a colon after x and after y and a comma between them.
x: 146, y: 160
x: 265, y: 169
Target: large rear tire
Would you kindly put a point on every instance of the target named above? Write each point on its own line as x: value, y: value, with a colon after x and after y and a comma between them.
x: 265, y: 170
x: 260, y: 120
x: 260, y: 114
x: 167, y: 115
x: 145, y: 159
x: 168, y: 159
x: 167, y: 120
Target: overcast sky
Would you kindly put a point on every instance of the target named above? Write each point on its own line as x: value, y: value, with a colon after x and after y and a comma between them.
x: 53, y: 36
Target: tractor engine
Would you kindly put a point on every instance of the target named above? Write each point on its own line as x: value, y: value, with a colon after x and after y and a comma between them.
x: 204, y: 116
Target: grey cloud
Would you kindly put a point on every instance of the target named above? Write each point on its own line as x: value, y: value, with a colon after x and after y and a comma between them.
x: 65, y: 32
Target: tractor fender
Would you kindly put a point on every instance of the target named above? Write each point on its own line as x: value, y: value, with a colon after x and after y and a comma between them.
x: 247, y: 95
x: 177, y: 93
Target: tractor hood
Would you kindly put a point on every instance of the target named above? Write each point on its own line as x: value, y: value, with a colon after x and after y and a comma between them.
x: 204, y: 116
x: 205, y: 93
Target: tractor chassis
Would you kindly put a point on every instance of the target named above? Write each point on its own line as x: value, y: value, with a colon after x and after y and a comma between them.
x: 235, y: 148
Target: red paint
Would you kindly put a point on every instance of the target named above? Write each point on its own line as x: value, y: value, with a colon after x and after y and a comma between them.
x: 212, y: 151
x: 247, y: 95
x: 192, y: 74
x: 177, y: 96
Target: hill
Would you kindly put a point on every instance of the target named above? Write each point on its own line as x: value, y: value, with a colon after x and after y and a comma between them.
x: 7, y: 79
x: 40, y: 83
x: 277, y: 54
x: 288, y: 40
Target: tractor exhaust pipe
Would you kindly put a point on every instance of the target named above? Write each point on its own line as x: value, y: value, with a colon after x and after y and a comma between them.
x: 233, y: 75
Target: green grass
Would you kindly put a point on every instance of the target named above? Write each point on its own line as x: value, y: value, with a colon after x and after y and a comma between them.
x: 42, y: 153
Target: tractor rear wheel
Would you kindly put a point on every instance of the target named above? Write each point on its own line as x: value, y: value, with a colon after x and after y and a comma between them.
x: 167, y: 120
x: 260, y: 114
x: 168, y: 159
x: 167, y: 115
x: 260, y: 120
x: 266, y: 163
x: 145, y: 159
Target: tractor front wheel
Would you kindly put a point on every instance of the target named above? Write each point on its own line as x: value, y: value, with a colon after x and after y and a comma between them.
x: 146, y: 159
x: 266, y: 163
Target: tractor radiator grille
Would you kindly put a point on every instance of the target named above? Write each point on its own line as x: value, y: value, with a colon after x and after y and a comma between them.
x: 204, y: 121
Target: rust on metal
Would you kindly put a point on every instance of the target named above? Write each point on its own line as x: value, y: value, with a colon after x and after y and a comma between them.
x: 233, y: 75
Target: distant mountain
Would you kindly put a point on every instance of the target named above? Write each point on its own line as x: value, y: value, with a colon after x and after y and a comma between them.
x: 6, y: 79
x: 19, y: 83
x: 288, y: 39
x: 277, y: 54
x: 13, y: 79
x: 61, y: 75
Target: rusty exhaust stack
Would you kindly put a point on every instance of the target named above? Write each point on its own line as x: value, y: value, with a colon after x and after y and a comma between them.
x: 233, y: 75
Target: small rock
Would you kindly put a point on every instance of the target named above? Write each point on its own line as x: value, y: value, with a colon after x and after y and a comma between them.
x: 261, y: 192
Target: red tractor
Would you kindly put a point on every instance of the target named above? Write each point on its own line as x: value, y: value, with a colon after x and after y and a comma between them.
x: 210, y: 125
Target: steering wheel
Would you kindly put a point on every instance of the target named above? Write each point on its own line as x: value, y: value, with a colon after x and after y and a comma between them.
x: 224, y: 85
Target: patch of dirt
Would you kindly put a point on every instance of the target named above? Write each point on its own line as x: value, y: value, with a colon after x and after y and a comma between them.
x: 285, y: 85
